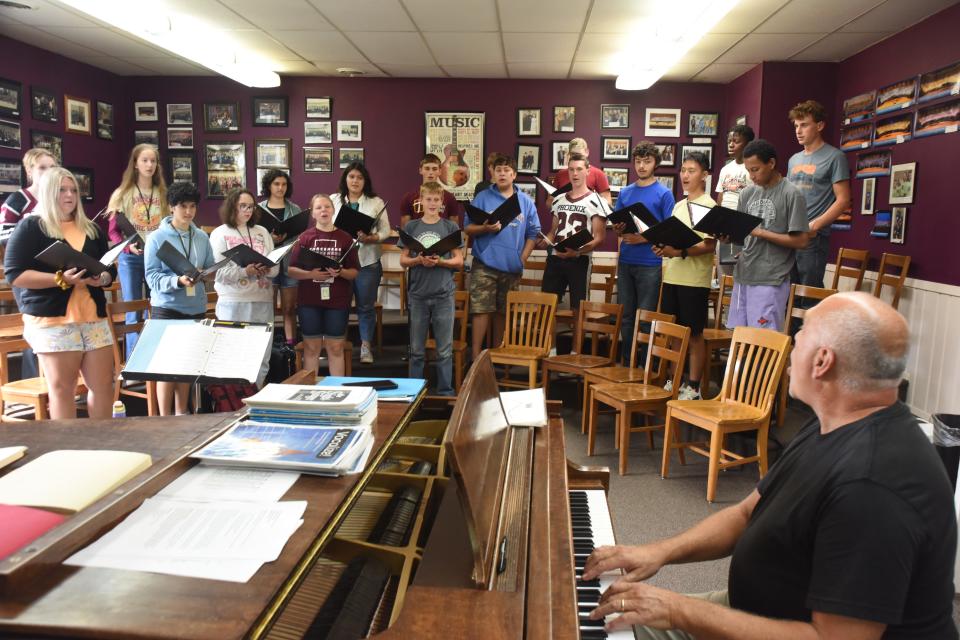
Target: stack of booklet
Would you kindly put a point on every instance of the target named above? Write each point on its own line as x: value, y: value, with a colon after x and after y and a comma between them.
x: 318, y: 430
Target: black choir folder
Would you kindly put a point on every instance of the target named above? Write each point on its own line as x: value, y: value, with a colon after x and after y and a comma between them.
x: 721, y: 221
x: 572, y: 242
x: 179, y: 264
x: 438, y: 248
x: 199, y: 352
x: 504, y: 214
x: 292, y: 226
x: 352, y: 221
x: 635, y: 217
x: 62, y: 256
x: 243, y: 255
x: 671, y: 233
x: 553, y: 191
x: 310, y: 260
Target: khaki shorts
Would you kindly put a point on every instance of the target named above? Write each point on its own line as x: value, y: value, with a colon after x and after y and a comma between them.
x: 80, y: 336
x: 489, y: 287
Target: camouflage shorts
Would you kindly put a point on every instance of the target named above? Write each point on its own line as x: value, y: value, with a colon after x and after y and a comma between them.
x: 489, y: 287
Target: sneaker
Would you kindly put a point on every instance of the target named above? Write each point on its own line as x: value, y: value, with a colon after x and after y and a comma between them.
x: 366, y: 355
x: 553, y: 352
x: 688, y: 393
x: 669, y: 386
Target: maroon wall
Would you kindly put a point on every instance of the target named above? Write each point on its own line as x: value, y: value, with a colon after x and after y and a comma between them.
x: 744, y: 98
x: 37, y: 67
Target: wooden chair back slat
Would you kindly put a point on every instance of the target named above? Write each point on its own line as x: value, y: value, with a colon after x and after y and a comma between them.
x: 803, y: 291
x: 530, y: 319
x: 639, y: 337
x: 668, y: 342
x: 859, y: 256
x: 885, y: 277
x: 757, y: 358
x: 599, y: 329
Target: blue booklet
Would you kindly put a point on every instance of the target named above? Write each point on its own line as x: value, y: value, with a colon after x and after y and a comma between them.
x: 317, y: 450
x: 407, y: 388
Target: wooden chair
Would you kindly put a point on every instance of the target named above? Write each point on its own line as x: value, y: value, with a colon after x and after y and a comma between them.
x: 716, y: 339
x: 116, y: 312
x: 797, y: 311
x: 461, y: 315
x: 619, y: 373
x: 608, y: 285
x: 528, y: 335
x: 859, y: 256
x: 535, y: 280
x: 757, y: 358
x: 11, y: 325
x: 886, y: 278
x: 395, y: 277
x: 211, y: 311
x: 347, y: 357
x: 302, y: 377
x: 668, y: 343
x: 602, y: 321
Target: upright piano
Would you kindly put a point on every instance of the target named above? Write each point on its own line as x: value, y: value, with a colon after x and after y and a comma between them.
x: 464, y: 527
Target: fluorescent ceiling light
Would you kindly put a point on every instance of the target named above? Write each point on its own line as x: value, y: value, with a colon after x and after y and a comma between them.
x: 660, y: 41
x: 184, y: 35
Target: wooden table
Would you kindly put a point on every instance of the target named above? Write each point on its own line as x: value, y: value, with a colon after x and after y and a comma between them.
x: 46, y: 597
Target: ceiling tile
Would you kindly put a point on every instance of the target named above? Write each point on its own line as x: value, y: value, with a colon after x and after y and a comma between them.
x: 116, y: 65
x: 413, y: 71
x: 258, y: 43
x: 465, y: 48
x: 436, y: 15
x: 45, y: 14
x: 368, y: 15
x: 758, y: 47
x: 722, y: 72
x: 476, y: 70
x: 551, y: 70
x: 557, y: 16
x: 838, y: 46
x: 296, y: 68
x: 710, y: 47
x: 393, y: 48
x: 332, y: 46
x: 682, y: 72
x: 280, y: 14
x: 106, y: 42
x: 619, y: 16
x: 584, y: 70
x: 815, y: 16
x: 746, y: 15
x: 539, y: 47
x: 171, y: 66
x: 46, y: 41
x: 895, y: 15
x: 601, y: 47
x: 330, y: 67
x: 210, y: 12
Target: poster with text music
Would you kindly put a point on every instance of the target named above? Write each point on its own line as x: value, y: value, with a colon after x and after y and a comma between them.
x: 456, y: 138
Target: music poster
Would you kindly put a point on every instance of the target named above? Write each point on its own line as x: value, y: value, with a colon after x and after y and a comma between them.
x: 457, y: 139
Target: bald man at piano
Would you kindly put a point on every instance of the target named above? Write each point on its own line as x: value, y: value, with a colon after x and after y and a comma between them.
x: 852, y: 533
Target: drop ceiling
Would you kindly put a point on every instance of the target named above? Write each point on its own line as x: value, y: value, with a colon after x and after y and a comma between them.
x: 553, y: 39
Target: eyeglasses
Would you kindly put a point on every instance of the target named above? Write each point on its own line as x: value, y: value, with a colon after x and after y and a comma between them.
x: 246, y: 207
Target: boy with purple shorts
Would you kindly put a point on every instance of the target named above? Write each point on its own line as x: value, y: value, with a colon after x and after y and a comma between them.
x: 762, y: 274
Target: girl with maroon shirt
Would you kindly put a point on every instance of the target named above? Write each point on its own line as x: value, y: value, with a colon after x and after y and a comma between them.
x: 323, y: 295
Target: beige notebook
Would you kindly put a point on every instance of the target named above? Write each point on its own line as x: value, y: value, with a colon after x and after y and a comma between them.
x: 69, y: 480
x: 9, y: 455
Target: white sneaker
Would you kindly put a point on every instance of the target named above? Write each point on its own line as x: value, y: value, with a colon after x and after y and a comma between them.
x: 669, y: 386
x: 366, y: 355
x: 688, y: 393
x: 553, y: 352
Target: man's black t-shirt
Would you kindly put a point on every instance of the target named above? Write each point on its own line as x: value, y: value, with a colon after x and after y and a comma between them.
x: 858, y: 522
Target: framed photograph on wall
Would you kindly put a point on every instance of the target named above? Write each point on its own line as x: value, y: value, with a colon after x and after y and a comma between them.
x: 528, y: 122
x: 893, y: 130
x: 182, y: 166
x: 104, y: 120
x: 898, y: 225
x: 616, y: 148
x: 179, y: 138
x: 896, y: 96
x: 859, y: 107
x: 662, y: 123
x: 939, y: 118
x: 740, y: 120
x: 940, y: 83
x: 349, y: 130
x: 856, y: 137
x: 317, y: 132
x: 52, y: 142
x: 318, y: 159
x: 902, y: 180
x: 84, y: 178
x: 618, y: 177
x: 558, y: 154
x: 10, y: 137
x: 702, y: 124
x: 528, y: 159
x: 10, y: 176
x: 668, y: 154
x: 873, y: 164
x: 273, y: 153
x: 881, y: 225
x: 147, y: 137
x: 43, y: 105
x: 180, y: 114
x: 564, y: 119
x: 270, y: 111
x: 145, y: 111
x: 528, y: 188
x: 456, y: 137
x: 319, y: 107
x: 667, y: 181
x: 349, y: 155
x: 868, y: 196
x: 614, y: 116
x: 11, y: 98
x: 78, y: 117
x: 707, y: 149
x: 226, y: 168
x: 221, y: 117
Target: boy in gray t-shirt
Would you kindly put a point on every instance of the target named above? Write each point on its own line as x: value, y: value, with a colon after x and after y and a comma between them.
x: 761, y: 282
x: 430, y: 299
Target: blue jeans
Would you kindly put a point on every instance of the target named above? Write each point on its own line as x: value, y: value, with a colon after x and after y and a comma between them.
x: 638, y: 287
x: 130, y: 273
x: 438, y: 312
x: 365, y: 289
x: 812, y: 262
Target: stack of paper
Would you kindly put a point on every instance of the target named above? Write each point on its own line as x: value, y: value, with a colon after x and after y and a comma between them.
x: 313, y: 405
x: 407, y: 388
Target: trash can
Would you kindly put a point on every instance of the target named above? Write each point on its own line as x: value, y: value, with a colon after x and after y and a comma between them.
x: 946, y: 438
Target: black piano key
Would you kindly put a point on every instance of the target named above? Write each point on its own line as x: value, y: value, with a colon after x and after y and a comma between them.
x: 349, y: 609
x: 592, y: 624
x: 593, y: 634
x: 584, y: 584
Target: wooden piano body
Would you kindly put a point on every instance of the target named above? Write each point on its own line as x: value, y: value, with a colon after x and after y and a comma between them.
x: 455, y: 577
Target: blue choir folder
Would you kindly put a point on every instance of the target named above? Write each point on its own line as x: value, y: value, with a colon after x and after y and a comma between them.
x: 407, y: 388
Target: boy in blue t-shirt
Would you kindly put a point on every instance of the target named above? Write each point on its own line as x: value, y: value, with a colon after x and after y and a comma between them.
x: 430, y: 299
x: 638, y: 269
x: 498, y: 253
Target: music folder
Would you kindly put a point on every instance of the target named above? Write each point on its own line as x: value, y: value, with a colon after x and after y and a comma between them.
x: 310, y: 260
x: 243, y: 255
x: 504, y: 214
x: 62, y: 256
x: 183, y: 267
x: 553, y: 191
x: 672, y: 233
x: 352, y: 221
x: 722, y: 221
x: 125, y: 226
x: 636, y: 218
x: 438, y: 248
x: 572, y: 242
x: 292, y: 226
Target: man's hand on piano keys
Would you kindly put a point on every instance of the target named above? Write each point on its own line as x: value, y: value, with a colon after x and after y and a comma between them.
x: 638, y: 562
x: 638, y: 603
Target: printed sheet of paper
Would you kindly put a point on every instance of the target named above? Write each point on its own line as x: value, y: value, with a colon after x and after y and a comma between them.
x: 221, y: 484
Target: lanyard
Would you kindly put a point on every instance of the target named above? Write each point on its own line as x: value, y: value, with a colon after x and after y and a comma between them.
x: 249, y: 237
x: 149, y: 203
x: 187, y: 248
